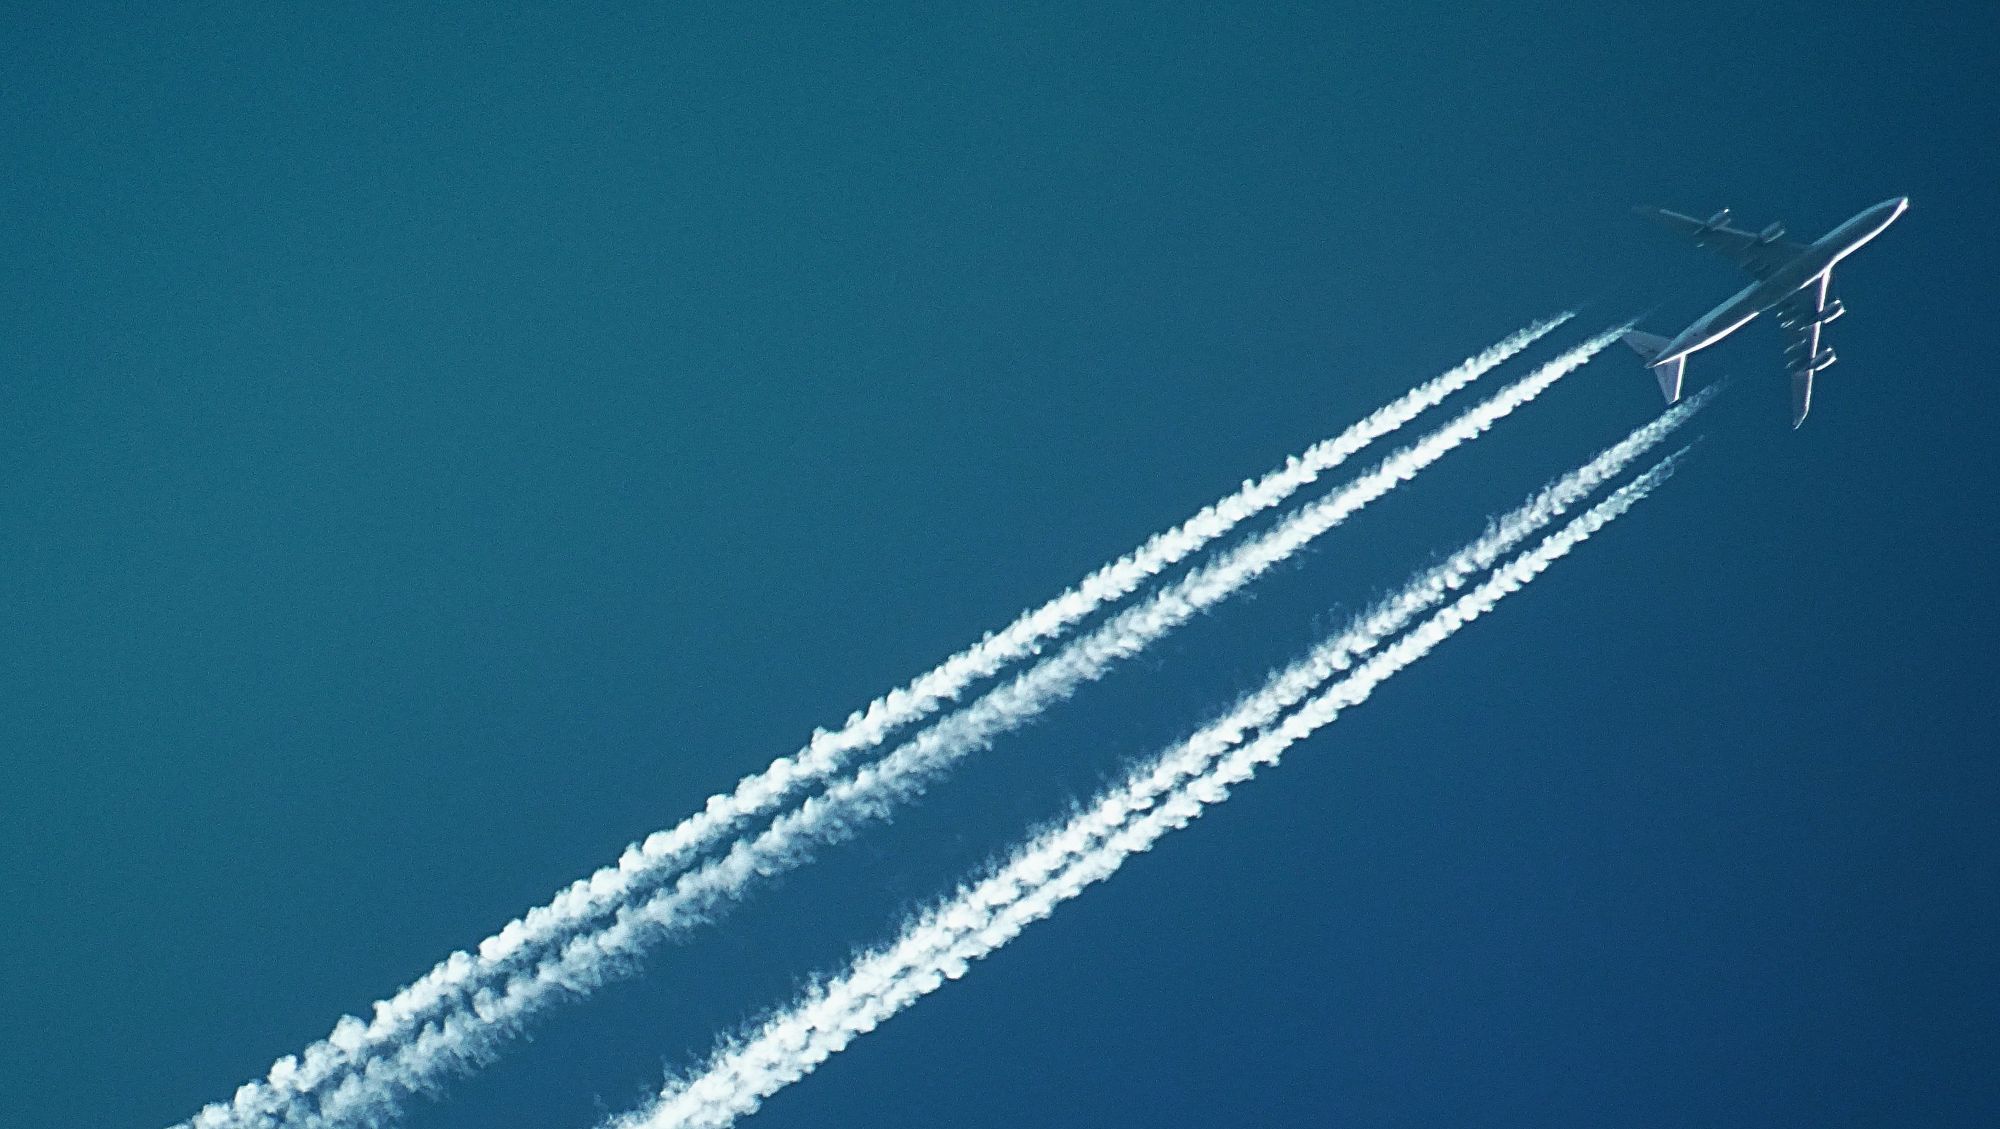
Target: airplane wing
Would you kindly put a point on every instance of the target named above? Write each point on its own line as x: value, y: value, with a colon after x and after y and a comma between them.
x: 1747, y: 249
x: 1803, y: 315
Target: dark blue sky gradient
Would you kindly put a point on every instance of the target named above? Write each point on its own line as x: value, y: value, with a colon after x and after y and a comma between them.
x: 437, y: 448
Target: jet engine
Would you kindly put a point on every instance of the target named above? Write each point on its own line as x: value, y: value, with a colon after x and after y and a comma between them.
x: 1822, y: 360
x: 1717, y: 220
x: 1803, y: 319
x: 1771, y: 234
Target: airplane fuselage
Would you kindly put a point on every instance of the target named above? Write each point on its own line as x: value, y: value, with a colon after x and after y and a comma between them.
x: 1802, y: 271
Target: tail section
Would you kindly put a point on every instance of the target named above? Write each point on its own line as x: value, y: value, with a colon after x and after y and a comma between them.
x: 1649, y: 346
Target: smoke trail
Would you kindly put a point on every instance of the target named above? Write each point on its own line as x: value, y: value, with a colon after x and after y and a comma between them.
x: 1058, y: 865
x: 447, y: 985
x: 458, y: 1042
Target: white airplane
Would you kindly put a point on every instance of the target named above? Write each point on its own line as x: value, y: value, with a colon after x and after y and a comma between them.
x: 1793, y: 279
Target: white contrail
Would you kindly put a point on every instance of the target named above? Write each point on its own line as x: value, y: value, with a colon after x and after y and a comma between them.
x: 1058, y: 865
x: 446, y: 986
x: 464, y: 1039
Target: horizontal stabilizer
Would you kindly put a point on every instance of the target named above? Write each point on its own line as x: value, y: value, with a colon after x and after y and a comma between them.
x: 1651, y: 345
x: 1647, y: 345
x: 1669, y: 375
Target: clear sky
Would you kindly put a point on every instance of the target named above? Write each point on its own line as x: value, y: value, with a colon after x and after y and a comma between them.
x: 439, y: 447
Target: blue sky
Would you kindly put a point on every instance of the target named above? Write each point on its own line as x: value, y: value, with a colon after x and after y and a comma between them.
x: 438, y: 447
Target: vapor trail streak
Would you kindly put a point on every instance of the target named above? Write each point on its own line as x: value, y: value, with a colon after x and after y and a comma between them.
x: 1163, y: 795
x: 459, y: 1041
x: 450, y: 985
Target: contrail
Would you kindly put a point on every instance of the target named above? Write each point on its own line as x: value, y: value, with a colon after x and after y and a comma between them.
x: 447, y: 985
x: 459, y: 1041
x: 1164, y: 795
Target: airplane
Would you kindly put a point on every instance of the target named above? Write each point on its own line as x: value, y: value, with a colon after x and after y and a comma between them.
x: 1794, y: 280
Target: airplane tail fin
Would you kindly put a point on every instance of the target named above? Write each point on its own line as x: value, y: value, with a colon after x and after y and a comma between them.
x: 1651, y: 345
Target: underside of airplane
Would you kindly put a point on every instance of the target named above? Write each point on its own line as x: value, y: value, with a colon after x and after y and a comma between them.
x: 1793, y: 283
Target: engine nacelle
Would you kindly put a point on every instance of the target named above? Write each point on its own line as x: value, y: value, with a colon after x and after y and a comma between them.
x: 1771, y: 234
x: 1822, y: 360
x: 1804, y: 319
x: 1717, y: 220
